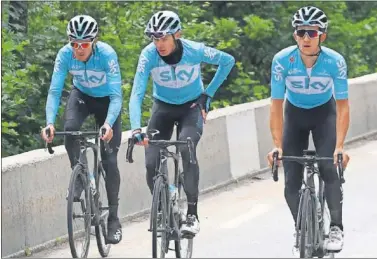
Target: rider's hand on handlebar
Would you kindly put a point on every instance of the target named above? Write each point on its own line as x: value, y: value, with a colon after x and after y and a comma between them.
x: 44, y: 134
x: 108, y: 134
x: 346, y: 157
x: 270, y: 156
x: 141, y: 138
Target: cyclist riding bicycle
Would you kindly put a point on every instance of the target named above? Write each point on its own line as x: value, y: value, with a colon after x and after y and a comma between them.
x: 179, y: 96
x: 96, y: 90
x: 311, y: 76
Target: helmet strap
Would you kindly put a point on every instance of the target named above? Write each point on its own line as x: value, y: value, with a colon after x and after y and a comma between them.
x: 175, y: 43
x: 94, y: 43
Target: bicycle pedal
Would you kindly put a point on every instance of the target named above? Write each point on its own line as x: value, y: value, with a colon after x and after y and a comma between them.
x: 174, y: 236
x: 334, y: 251
x: 187, y: 236
x: 95, y: 220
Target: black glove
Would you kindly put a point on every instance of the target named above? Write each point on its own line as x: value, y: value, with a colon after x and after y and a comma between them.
x: 204, y: 102
x: 138, y: 136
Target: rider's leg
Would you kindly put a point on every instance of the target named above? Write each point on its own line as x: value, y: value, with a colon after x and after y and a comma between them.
x: 191, y: 125
x: 324, y: 137
x: 75, y: 113
x: 295, y: 140
x: 162, y: 119
x: 99, y: 107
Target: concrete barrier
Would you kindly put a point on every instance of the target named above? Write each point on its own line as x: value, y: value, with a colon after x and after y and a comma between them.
x: 234, y: 144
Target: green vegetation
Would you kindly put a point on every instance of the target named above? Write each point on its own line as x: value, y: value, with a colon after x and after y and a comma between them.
x: 33, y: 32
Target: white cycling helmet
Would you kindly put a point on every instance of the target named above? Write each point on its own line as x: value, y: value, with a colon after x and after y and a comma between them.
x: 82, y: 27
x: 311, y: 16
x: 163, y: 23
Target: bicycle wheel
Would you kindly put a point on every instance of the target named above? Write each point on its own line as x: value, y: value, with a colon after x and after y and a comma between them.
x: 159, y: 219
x: 101, y: 229
x: 307, y: 226
x: 184, y: 246
x: 80, y: 234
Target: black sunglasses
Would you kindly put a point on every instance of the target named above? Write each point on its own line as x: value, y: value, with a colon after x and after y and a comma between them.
x: 310, y: 33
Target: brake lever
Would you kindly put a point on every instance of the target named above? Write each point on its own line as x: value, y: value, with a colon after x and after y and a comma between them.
x: 275, y: 156
x: 130, y: 147
x: 108, y: 149
x: 340, y: 168
x: 49, y: 145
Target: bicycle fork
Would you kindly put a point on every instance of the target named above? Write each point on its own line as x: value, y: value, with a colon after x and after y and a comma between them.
x: 307, y: 186
x: 316, y: 198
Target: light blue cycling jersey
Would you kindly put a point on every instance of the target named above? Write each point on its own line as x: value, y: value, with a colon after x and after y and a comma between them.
x: 98, y: 77
x: 180, y: 83
x: 308, y: 88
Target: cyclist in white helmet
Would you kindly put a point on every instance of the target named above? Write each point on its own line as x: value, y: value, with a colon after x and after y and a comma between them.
x: 314, y: 81
x: 179, y: 96
x: 96, y: 90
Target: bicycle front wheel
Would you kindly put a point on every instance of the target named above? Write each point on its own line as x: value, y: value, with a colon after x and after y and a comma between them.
x: 159, y: 219
x: 79, y: 212
x: 101, y: 229
x: 307, y: 226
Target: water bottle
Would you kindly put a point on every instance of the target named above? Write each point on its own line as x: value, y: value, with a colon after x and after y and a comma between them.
x: 173, y: 196
x: 173, y: 191
x: 319, y: 211
x: 92, y: 183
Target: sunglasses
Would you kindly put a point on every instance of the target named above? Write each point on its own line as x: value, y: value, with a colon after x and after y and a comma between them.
x: 156, y: 35
x: 83, y: 45
x: 311, y: 33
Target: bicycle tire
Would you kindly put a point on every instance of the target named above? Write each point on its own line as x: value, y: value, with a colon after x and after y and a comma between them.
x: 101, y: 229
x: 159, y: 198
x: 190, y: 241
x: 78, y: 171
x: 307, y: 226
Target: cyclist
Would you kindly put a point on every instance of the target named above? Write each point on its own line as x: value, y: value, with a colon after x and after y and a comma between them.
x: 96, y: 90
x: 178, y: 94
x: 311, y: 76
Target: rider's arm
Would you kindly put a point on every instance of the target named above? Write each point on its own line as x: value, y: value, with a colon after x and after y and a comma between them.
x: 138, y: 90
x: 56, y: 87
x: 341, y: 96
x: 225, y: 63
x: 115, y: 84
x: 277, y: 99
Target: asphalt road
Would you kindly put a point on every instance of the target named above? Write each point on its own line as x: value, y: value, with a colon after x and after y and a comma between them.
x: 252, y: 219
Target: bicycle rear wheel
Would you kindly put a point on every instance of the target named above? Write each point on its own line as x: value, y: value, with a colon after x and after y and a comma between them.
x: 80, y: 234
x: 307, y: 226
x: 159, y: 219
x: 184, y: 246
x: 101, y: 229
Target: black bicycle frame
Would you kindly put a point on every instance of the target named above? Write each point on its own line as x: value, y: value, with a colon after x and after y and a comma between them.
x: 84, y: 146
x: 309, y: 159
x: 308, y: 182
